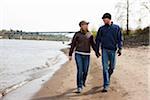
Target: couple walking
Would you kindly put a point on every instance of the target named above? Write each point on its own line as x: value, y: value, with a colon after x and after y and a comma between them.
x: 109, y: 37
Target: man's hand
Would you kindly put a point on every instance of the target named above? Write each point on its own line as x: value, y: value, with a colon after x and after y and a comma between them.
x: 97, y: 54
x: 119, y: 52
x: 70, y: 58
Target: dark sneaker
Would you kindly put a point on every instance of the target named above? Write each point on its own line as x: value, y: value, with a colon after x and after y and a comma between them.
x: 104, y: 91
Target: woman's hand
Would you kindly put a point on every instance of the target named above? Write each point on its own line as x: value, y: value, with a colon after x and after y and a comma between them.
x: 70, y: 58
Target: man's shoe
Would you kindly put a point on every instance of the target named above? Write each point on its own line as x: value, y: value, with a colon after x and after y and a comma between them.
x: 79, y: 90
x: 104, y: 91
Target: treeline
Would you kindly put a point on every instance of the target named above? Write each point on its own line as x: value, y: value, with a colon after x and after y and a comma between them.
x: 11, y: 34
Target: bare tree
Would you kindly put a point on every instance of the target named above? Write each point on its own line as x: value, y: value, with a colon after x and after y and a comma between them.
x: 127, y: 31
x: 146, y: 4
x: 145, y: 11
x: 123, y: 12
x: 120, y: 14
x: 139, y: 9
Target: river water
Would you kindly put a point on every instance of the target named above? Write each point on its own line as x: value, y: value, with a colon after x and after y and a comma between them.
x: 22, y: 61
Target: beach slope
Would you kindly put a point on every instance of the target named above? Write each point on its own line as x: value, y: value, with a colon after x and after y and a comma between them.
x: 129, y: 82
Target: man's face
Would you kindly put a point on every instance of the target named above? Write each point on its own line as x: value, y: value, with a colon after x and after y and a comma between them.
x: 84, y: 26
x: 106, y: 21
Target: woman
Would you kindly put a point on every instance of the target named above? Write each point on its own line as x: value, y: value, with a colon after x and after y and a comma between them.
x: 81, y: 42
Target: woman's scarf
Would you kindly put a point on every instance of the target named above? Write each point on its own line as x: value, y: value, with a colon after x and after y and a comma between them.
x: 87, y: 33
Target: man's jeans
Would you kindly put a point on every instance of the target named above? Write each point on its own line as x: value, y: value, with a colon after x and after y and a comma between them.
x: 82, y: 62
x: 108, y: 62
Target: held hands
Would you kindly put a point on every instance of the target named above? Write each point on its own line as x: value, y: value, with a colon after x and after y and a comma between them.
x: 70, y: 58
x: 97, y: 54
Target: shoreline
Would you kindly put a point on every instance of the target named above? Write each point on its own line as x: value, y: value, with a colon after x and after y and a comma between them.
x: 62, y: 85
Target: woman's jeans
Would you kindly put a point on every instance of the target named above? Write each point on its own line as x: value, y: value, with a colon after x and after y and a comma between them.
x: 82, y: 62
x: 108, y: 62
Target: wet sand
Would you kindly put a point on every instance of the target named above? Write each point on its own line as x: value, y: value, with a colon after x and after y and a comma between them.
x: 129, y: 81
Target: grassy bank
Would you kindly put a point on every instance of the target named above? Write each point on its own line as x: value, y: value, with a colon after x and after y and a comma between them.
x: 137, y: 38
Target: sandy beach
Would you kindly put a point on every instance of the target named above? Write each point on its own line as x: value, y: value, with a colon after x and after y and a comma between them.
x: 129, y: 82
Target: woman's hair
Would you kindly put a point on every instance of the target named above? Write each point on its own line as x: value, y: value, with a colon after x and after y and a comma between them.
x: 84, y: 31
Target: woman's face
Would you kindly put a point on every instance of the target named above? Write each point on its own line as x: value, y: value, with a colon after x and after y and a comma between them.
x: 84, y: 27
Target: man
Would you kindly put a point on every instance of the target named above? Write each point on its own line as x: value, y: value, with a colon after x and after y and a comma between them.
x: 109, y: 36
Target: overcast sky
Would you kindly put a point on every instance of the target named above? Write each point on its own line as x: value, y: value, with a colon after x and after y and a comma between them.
x: 53, y: 15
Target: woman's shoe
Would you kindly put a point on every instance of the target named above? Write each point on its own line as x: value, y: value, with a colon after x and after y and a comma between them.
x: 104, y: 91
x: 79, y: 90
